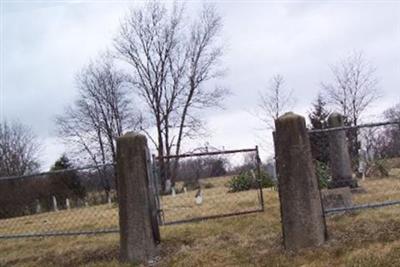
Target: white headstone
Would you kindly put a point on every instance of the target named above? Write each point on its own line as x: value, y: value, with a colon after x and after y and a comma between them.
x: 38, y: 206
x: 362, y: 163
x: 67, y: 203
x: 55, y: 208
x: 109, y: 200
x: 199, y: 198
x: 167, y: 185
x: 173, y: 193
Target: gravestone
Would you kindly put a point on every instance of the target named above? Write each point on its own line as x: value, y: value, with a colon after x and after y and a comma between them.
x: 303, y: 221
x: 55, y: 206
x: 340, y: 162
x: 67, y: 204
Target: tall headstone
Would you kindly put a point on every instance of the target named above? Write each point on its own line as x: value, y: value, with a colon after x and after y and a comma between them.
x: 303, y: 221
x: 340, y: 162
x: 138, y: 229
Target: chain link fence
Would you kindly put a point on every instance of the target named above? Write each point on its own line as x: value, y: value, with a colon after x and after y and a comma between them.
x: 210, y: 184
x: 201, y: 185
x: 374, y: 159
x: 63, y: 202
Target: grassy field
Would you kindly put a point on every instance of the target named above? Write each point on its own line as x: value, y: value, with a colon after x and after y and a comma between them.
x: 367, y: 238
x: 216, y: 201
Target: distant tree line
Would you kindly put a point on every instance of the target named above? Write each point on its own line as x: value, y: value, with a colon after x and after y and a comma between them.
x: 22, y: 196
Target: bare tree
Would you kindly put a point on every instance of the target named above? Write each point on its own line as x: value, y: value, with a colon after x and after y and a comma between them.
x: 19, y: 149
x: 275, y: 101
x: 147, y: 37
x: 389, y: 138
x: 101, y: 113
x: 203, y: 57
x: 353, y: 88
x: 172, y: 59
x: 370, y: 142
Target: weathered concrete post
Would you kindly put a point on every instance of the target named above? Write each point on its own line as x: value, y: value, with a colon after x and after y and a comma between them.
x: 340, y: 162
x: 137, y: 229
x: 303, y: 221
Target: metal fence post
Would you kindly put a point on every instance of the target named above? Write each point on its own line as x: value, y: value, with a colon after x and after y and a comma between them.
x: 137, y: 239
x: 303, y: 223
x: 259, y: 178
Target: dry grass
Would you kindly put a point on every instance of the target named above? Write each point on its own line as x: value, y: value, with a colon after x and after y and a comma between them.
x: 88, y: 218
x: 367, y: 238
x: 217, y: 201
x: 379, y: 190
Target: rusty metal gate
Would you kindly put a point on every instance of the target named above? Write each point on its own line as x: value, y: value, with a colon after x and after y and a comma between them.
x: 208, y: 184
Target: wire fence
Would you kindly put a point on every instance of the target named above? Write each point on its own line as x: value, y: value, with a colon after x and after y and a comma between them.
x: 64, y: 202
x: 205, y: 184
x: 374, y: 159
x: 82, y: 201
x: 210, y: 184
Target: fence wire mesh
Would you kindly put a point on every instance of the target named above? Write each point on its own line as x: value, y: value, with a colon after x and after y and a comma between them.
x: 374, y: 151
x: 210, y: 184
x: 64, y: 202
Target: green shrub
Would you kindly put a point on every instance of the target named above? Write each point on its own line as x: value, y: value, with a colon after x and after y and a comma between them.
x: 241, y: 182
x: 323, y: 174
x: 266, y: 180
x: 246, y: 181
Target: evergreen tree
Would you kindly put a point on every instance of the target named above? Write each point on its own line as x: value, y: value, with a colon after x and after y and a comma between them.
x: 319, y: 120
x: 66, y: 183
x: 319, y: 114
x: 62, y: 163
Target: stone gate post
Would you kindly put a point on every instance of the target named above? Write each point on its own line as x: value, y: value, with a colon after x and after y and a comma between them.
x: 138, y: 230
x: 303, y: 221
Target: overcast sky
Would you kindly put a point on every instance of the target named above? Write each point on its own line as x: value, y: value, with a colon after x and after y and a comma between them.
x: 44, y: 44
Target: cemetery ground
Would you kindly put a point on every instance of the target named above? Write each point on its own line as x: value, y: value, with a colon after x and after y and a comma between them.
x: 363, y: 238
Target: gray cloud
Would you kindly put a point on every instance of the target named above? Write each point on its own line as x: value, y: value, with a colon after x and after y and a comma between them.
x: 44, y: 45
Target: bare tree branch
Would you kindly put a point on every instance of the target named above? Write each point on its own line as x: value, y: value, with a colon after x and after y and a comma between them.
x: 353, y: 88
x: 274, y: 101
x: 19, y: 149
x: 172, y: 57
x: 102, y: 112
